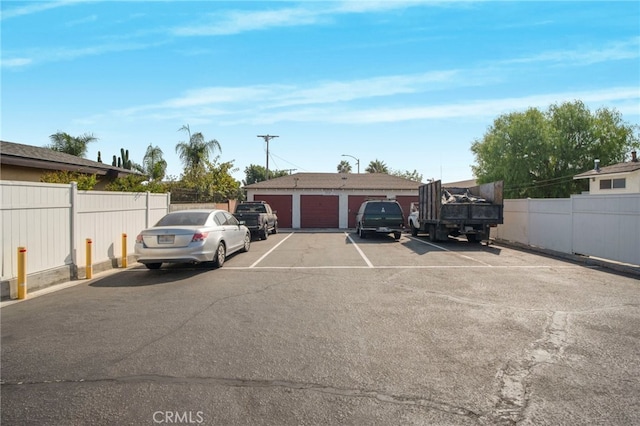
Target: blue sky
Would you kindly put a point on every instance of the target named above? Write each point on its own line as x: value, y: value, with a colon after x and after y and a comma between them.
x: 411, y: 83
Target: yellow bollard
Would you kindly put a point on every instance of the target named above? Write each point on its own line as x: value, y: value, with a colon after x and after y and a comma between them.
x: 124, y: 250
x: 89, y: 267
x: 22, y: 272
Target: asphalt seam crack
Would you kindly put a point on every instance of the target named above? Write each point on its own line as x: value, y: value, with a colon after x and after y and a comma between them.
x: 383, y: 397
x: 513, y: 398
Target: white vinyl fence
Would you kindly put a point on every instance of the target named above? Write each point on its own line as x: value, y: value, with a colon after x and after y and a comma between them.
x: 604, y: 226
x: 53, y: 222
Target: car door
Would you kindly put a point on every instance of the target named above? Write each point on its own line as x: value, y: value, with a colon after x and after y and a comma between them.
x: 233, y: 232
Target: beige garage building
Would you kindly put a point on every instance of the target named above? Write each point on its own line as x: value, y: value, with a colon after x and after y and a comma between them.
x: 329, y: 200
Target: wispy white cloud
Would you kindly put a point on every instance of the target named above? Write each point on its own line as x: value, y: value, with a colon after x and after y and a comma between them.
x: 15, y: 62
x: 28, y: 8
x: 81, y: 21
x: 341, y: 101
x: 625, y: 49
x: 235, y: 22
x: 239, y: 21
x: 38, y: 56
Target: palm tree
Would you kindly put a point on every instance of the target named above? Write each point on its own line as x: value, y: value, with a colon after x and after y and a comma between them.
x: 377, y: 166
x: 64, y: 142
x: 344, y: 167
x: 195, y: 153
x: 153, y: 164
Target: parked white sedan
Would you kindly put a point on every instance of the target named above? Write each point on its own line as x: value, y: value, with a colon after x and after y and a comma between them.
x: 192, y: 236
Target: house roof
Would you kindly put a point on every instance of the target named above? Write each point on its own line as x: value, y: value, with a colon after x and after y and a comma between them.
x: 375, y: 181
x: 17, y: 154
x: 627, y: 167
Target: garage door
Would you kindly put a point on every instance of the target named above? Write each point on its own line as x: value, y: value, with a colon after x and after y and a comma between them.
x: 354, y: 206
x: 280, y: 203
x: 319, y: 211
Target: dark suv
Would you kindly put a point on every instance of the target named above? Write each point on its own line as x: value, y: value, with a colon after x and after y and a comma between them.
x: 380, y: 216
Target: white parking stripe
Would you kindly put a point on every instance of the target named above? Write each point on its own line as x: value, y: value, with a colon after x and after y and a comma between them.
x: 445, y: 249
x: 269, y: 252
x: 240, y: 268
x: 366, y: 259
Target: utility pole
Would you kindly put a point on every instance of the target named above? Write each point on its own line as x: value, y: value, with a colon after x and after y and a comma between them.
x: 267, y: 138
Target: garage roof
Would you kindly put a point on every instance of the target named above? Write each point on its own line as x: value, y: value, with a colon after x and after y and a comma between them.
x: 375, y: 181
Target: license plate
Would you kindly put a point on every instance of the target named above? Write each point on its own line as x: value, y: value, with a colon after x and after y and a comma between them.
x: 166, y: 239
x: 384, y: 229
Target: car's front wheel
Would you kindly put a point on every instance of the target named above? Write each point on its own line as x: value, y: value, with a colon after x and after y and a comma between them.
x: 220, y: 255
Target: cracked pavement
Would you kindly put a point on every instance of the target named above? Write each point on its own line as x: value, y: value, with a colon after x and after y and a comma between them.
x: 312, y: 334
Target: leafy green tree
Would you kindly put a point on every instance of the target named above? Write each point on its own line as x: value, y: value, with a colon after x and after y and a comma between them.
x: 85, y: 182
x: 537, y: 153
x: 195, y: 153
x: 377, y: 166
x: 344, y: 167
x: 74, y: 145
x: 213, y: 180
x: 255, y: 173
x: 153, y: 164
x: 414, y: 175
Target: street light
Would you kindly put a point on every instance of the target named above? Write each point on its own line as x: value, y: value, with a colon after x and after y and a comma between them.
x: 357, y: 160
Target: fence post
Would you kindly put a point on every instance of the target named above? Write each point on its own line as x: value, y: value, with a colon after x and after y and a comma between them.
x: 73, y: 224
x: 147, y: 215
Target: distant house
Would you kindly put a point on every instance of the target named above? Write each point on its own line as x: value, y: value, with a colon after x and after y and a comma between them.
x: 329, y: 200
x: 621, y: 178
x: 29, y: 163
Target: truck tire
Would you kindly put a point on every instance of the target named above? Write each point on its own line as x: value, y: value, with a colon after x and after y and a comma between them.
x: 264, y: 232
x: 414, y: 230
x: 361, y: 233
x: 397, y: 235
x: 473, y: 238
x: 275, y: 228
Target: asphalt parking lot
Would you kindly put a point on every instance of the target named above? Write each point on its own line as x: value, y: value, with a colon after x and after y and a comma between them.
x: 327, y: 328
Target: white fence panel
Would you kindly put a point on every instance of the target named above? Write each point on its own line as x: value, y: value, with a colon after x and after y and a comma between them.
x: 607, y: 226
x: 516, y: 219
x: 550, y: 224
x: 103, y: 217
x: 35, y: 216
x: 53, y: 222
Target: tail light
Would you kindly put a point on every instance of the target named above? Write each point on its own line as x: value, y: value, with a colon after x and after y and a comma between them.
x: 199, y: 236
x: 139, y: 239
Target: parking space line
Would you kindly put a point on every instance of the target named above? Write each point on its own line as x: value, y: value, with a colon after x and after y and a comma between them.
x: 269, y: 252
x: 446, y: 249
x: 239, y: 268
x: 366, y: 259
